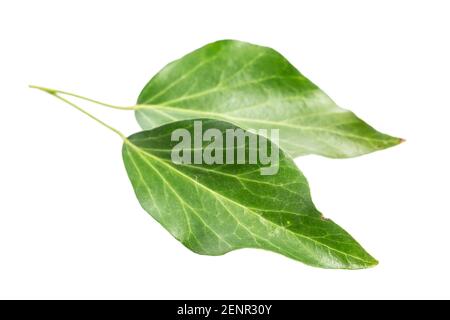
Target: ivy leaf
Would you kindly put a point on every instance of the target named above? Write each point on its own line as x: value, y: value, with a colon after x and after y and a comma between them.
x: 256, y: 87
x: 214, y: 209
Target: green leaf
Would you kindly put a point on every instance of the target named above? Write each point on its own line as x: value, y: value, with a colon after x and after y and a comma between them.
x: 214, y: 209
x: 256, y: 87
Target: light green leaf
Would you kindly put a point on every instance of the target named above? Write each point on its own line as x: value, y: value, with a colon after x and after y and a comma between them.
x: 255, y: 87
x: 214, y: 209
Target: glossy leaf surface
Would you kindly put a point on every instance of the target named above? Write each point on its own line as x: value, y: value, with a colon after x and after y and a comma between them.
x: 214, y: 209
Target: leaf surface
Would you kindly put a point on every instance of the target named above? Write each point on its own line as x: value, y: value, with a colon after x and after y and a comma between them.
x: 214, y: 209
x: 255, y: 87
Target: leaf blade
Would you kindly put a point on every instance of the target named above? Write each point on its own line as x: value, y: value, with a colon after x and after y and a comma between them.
x: 253, y: 86
x: 216, y: 209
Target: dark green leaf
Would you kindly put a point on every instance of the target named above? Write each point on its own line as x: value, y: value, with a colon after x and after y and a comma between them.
x: 256, y: 87
x: 214, y: 209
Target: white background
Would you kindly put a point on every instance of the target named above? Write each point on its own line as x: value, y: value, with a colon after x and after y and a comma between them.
x: 70, y: 225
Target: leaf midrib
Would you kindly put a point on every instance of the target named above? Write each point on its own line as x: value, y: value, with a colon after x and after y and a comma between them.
x: 233, y: 119
x: 242, y: 206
